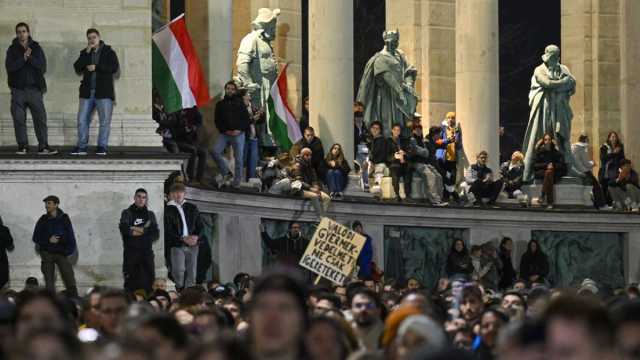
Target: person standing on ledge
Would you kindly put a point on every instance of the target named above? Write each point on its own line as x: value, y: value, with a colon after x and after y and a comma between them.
x: 26, y: 65
x: 98, y: 64
x: 6, y: 244
x: 55, y: 242
x: 139, y: 230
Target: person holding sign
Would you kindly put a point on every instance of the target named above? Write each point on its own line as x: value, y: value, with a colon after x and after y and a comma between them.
x: 288, y: 249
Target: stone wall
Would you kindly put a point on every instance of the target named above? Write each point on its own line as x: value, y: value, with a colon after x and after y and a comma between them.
x: 60, y: 28
x: 427, y: 36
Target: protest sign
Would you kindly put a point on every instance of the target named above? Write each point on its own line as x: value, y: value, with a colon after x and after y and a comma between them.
x: 333, y: 251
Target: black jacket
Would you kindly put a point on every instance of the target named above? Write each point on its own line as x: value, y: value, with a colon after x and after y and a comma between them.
x: 609, y: 163
x: 534, y: 264
x: 317, y: 151
x: 459, y: 263
x: 378, y: 150
x: 106, y: 67
x: 544, y: 157
x: 401, y: 143
x: 59, y: 225
x: 185, y: 130
x: 173, y: 224
x: 512, y: 177
x: 303, y: 171
x: 134, y: 216
x: 20, y: 72
x: 508, y: 273
x: 6, y: 243
x: 231, y: 114
x: 287, y: 250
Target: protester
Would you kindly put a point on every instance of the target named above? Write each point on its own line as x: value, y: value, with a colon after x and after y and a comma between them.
x: 251, y: 148
x: 611, y: 157
x: 625, y: 190
x: 56, y: 241
x: 182, y: 235
x: 421, y: 160
x: 311, y: 141
x: 584, y: 165
x: 98, y: 64
x: 534, y: 265
x: 185, y: 134
x: 310, y: 188
x: 367, y: 317
x: 26, y: 65
x: 336, y: 171
x: 450, y: 155
x: 304, y: 118
x: 378, y: 152
x: 512, y: 172
x: 232, y: 121
x: 508, y: 273
x: 139, y: 229
x: 398, y: 162
x: 6, y: 244
x: 550, y: 167
x: 459, y: 260
x: 481, y: 181
x: 287, y: 249
x: 365, y: 259
x: 361, y: 139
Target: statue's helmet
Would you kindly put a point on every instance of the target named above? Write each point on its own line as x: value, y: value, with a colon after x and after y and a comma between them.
x: 391, y: 35
x: 265, y: 16
x: 549, y: 51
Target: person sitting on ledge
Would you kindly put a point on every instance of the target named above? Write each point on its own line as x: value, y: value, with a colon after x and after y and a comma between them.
x: 550, y: 167
x: 481, y: 182
x: 397, y: 160
x: 512, y: 172
x: 311, y: 141
x: 377, y: 154
x: 583, y: 164
x: 419, y: 159
x: 304, y: 173
x: 625, y: 190
x: 611, y: 157
x: 336, y: 171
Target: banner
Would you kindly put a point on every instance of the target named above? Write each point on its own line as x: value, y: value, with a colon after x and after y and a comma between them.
x: 333, y: 251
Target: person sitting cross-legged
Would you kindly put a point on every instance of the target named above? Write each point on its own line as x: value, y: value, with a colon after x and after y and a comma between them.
x: 304, y: 173
x: 481, y: 182
x: 625, y: 190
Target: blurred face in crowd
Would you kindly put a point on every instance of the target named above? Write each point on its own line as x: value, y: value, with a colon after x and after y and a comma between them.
x: 510, y: 300
x: 163, y: 348
x: 177, y: 196
x: 92, y: 315
x: 51, y: 207
x: 417, y: 131
x: 306, y: 154
x: 415, y: 300
x: 93, y: 39
x: 375, y: 130
x: 365, y: 311
x: 546, y: 140
x: 276, y: 323
x: 489, y: 326
x: 22, y: 33
x: 335, y: 150
x: 322, y: 342
x: 471, y: 308
x: 413, y: 284
x: 112, y: 310
x: 230, y: 90
x: 482, y: 159
x: 323, y: 306
x: 628, y: 337
x: 463, y: 340
x: 613, y: 138
x: 359, y: 229
x: 309, y: 135
x: 459, y: 245
x: 233, y: 308
x: 508, y: 244
x: 519, y: 286
x: 451, y: 120
x: 395, y: 131
x: 46, y: 347
x: 295, y: 230
x: 570, y: 340
x: 160, y: 284
x: 341, y: 291
x: 140, y: 199
x: 533, y: 247
x: 37, y: 314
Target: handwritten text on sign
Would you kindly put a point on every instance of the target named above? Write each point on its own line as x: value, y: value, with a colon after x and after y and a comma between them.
x: 333, y: 251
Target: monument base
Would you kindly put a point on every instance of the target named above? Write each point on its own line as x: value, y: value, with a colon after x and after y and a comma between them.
x: 93, y: 191
x: 570, y: 191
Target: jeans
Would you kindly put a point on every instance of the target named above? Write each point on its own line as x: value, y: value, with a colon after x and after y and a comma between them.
x: 197, y: 155
x: 335, y: 180
x: 184, y: 264
x: 398, y: 172
x: 105, y: 109
x: 251, y: 157
x: 237, y: 142
x: 48, y: 266
x: 431, y: 182
x: 31, y: 99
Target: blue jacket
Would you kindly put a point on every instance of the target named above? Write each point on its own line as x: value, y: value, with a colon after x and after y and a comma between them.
x: 440, y: 153
x: 365, y: 258
x: 60, y: 225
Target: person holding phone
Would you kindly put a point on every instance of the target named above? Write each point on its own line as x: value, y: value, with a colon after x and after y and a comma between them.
x: 98, y: 64
x: 56, y: 241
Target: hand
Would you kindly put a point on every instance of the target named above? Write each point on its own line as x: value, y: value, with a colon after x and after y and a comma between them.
x: 27, y: 53
x: 137, y: 230
x: 54, y: 239
x: 550, y: 166
x: 232, y: 132
x: 533, y: 277
x: 91, y: 68
x: 332, y: 163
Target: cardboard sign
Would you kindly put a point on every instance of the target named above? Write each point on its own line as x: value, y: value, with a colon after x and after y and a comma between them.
x: 333, y: 251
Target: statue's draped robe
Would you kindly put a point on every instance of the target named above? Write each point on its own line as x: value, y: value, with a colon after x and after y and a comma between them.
x: 382, y: 86
x: 550, y: 113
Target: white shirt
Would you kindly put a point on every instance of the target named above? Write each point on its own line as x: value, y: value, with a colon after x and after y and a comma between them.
x: 185, y: 230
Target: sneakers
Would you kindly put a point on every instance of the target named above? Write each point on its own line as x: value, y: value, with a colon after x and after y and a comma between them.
x: 46, y: 150
x: 22, y: 150
x: 77, y: 151
x: 101, y: 151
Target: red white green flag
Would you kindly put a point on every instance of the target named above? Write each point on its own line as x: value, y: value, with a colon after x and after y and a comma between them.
x: 177, y: 74
x: 282, y: 124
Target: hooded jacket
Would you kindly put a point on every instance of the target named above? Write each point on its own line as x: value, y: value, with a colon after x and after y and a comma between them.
x: 459, y: 262
x: 135, y: 216
x: 317, y: 151
x: 534, y: 263
x: 21, y: 72
x: 60, y: 225
x: 231, y: 114
x: 583, y: 162
x: 106, y: 67
x: 304, y: 172
x: 173, y: 223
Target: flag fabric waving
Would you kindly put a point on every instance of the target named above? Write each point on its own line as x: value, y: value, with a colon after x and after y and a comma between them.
x: 282, y: 124
x: 177, y: 74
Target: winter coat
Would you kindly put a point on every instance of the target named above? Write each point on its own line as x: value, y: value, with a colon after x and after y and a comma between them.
x: 134, y: 216
x: 609, y: 163
x: 173, y: 224
x: 534, y: 264
x: 21, y: 72
x: 304, y: 172
x: 378, y: 150
x: 459, y: 263
x: 365, y: 259
x: 545, y: 157
x: 317, y: 151
x: 59, y: 225
x: 231, y: 114
x: 287, y: 250
x: 508, y: 274
x: 106, y: 67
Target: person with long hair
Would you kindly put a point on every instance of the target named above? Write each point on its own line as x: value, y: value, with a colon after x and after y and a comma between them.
x: 507, y: 273
x: 611, y: 157
x: 625, y: 189
x: 550, y: 167
x: 584, y: 165
x: 336, y: 169
x: 459, y: 260
x: 534, y: 264
x: 512, y: 173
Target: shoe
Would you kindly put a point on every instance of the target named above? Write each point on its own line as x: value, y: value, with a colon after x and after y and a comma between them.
x: 78, y: 151
x: 550, y: 207
x: 22, y: 150
x: 101, y: 151
x: 46, y: 150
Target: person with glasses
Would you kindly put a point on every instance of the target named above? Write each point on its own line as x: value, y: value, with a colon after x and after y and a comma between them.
x: 481, y: 181
x: 26, y: 65
x: 98, y: 64
x: 139, y: 230
x: 366, y: 309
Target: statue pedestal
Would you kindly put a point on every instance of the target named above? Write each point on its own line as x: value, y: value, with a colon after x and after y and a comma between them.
x: 354, y: 190
x: 570, y: 191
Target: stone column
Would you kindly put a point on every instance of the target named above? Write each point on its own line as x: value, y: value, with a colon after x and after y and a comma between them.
x: 220, y: 45
x: 477, y: 83
x: 331, y: 72
x: 630, y: 78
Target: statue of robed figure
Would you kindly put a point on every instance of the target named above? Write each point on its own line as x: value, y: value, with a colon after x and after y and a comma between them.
x: 387, y: 86
x: 552, y: 85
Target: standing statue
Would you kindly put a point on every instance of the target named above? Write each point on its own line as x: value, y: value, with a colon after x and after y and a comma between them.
x: 552, y: 85
x: 257, y: 64
x: 387, y: 86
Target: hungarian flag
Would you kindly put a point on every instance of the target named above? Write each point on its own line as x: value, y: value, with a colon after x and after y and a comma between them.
x: 282, y: 124
x: 177, y: 74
